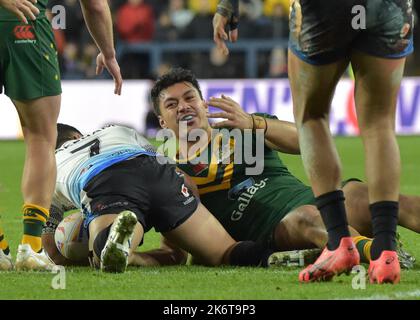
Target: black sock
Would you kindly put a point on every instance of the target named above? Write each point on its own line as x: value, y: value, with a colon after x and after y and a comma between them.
x: 333, y: 213
x: 100, y: 241
x: 249, y: 253
x: 384, y: 227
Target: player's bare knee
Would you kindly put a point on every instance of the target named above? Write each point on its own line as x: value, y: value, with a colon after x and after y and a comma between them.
x: 356, y: 194
x: 308, y: 216
x: 415, y: 223
x: 409, y: 214
x: 307, y: 224
x: 375, y: 125
x: 297, y: 226
x: 36, y: 135
x: 355, y: 191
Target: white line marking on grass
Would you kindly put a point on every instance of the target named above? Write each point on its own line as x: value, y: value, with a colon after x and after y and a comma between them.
x: 393, y: 296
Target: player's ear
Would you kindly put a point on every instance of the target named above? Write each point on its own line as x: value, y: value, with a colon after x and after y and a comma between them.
x: 76, y: 136
x: 205, y: 105
x: 162, y: 122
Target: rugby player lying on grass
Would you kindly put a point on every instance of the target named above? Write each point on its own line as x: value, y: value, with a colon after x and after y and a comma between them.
x: 115, y: 176
x: 273, y: 206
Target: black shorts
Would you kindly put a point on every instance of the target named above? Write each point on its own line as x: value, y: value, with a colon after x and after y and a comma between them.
x: 154, y: 192
x: 324, y: 31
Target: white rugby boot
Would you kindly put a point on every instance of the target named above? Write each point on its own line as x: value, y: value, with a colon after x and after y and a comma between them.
x: 6, y: 263
x: 114, y: 256
x: 294, y: 258
x: 27, y: 259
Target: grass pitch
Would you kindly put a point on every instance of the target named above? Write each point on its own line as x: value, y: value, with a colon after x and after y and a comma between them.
x: 194, y: 282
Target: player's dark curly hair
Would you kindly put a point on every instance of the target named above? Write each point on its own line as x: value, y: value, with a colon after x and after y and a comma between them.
x: 174, y: 76
x: 65, y: 133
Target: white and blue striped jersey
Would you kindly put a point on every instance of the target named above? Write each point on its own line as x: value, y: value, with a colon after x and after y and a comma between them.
x: 80, y: 160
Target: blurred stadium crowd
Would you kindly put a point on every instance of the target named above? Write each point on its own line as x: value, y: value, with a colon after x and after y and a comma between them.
x: 184, y: 21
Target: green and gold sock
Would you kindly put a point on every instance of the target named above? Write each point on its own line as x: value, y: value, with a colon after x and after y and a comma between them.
x: 34, y: 218
x: 363, y: 245
x: 4, y: 245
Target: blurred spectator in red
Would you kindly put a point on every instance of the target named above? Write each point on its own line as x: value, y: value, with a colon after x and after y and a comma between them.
x: 135, y: 21
x: 60, y: 40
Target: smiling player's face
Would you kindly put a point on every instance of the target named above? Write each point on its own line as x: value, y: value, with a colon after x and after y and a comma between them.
x: 181, y: 103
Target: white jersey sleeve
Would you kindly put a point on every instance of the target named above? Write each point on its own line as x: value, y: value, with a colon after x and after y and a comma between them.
x: 80, y: 160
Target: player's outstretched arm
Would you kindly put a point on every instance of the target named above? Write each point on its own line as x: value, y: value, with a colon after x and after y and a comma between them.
x: 282, y: 136
x: 167, y: 255
x: 99, y: 22
x: 227, y: 16
x: 279, y: 135
x: 22, y: 9
x: 50, y: 248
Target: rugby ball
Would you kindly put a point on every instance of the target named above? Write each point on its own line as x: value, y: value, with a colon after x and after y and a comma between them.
x: 71, y: 238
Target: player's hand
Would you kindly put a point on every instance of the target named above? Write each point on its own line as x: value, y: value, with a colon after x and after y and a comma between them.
x: 235, y: 115
x: 219, y: 34
x: 21, y: 8
x: 113, y: 68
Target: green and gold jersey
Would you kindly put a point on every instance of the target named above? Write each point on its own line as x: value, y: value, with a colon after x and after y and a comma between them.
x: 248, y: 206
x: 8, y: 16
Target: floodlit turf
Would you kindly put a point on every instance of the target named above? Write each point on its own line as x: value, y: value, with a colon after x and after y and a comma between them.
x: 192, y: 282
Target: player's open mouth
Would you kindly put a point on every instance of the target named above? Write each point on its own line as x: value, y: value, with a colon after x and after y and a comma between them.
x: 189, y: 119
